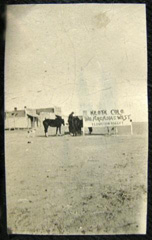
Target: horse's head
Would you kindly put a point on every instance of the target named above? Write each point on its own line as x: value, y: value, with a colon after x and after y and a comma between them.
x: 60, y: 119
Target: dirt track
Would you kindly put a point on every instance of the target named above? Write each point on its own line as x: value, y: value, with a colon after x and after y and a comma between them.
x: 75, y: 185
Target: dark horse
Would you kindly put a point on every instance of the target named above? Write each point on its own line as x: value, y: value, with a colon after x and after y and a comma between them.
x: 57, y: 122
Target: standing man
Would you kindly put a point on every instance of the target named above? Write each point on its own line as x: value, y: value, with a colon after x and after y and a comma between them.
x: 70, y: 122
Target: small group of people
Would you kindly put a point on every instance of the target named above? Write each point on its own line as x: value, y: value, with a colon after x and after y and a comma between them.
x: 75, y: 125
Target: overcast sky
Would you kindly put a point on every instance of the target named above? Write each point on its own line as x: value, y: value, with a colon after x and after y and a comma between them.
x: 78, y: 57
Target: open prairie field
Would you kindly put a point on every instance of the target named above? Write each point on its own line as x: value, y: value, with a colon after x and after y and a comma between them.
x: 76, y: 185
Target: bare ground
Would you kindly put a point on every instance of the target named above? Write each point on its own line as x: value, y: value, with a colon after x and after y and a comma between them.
x: 76, y: 185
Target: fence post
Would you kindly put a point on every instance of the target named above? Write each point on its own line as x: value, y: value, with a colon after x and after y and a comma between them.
x: 14, y: 122
x: 116, y: 130
x: 83, y: 126
x: 131, y: 127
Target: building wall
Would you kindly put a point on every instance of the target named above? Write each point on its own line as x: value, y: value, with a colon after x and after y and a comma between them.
x: 17, y: 122
x: 45, y: 115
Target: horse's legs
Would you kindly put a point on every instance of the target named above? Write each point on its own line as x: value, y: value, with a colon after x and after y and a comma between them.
x: 56, y: 130
x: 60, y: 130
x: 46, y: 131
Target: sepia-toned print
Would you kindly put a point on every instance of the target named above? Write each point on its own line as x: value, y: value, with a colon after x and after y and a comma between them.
x: 76, y: 119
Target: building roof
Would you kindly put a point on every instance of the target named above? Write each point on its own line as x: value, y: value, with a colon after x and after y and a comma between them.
x: 32, y: 112
x: 40, y: 110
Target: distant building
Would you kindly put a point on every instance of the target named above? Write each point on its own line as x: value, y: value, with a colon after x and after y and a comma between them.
x: 32, y: 118
x: 29, y: 118
x: 48, y: 113
x: 16, y: 119
x: 45, y: 113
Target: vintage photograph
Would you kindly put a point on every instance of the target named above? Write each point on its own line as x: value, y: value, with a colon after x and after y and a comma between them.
x: 76, y: 119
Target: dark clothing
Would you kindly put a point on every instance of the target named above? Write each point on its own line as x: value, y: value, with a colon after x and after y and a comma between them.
x: 70, y: 117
